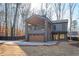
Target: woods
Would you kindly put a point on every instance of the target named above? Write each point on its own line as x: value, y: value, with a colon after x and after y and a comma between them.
x: 10, y: 15
x: 13, y: 15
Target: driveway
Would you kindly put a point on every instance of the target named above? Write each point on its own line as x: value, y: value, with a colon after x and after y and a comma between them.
x: 62, y: 48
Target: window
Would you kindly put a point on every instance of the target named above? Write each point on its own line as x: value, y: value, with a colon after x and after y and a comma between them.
x: 54, y: 27
x: 35, y: 27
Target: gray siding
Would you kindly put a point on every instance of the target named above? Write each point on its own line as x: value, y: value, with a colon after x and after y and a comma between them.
x: 59, y: 27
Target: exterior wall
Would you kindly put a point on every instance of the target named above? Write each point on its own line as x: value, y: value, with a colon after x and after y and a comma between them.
x: 59, y: 31
x: 39, y: 29
x: 49, y: 31
x: 40, y: 32
x: 36, y: 33
x: 59, y: 36
x: 39, y: 35
x: 59, y: 27
x: 36, y: 38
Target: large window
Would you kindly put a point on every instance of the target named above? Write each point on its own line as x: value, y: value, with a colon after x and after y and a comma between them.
x: 36, y: 27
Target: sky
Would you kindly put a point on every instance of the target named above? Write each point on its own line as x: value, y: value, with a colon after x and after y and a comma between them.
x: 75, y: 15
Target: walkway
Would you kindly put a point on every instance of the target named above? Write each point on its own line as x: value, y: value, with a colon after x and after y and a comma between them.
x: 29, y: 43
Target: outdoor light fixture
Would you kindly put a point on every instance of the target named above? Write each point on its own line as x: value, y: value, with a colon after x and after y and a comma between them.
x: 29, y: 24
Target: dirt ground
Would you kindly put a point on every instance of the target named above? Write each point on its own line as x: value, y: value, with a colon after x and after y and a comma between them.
x: 60, y: 49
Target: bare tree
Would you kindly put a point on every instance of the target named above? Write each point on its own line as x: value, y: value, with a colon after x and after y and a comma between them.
x: 42, y: 10
x: 71, y: 11
x: 6, y: 28
x: 59, y: 9
x: 14, y: 21
x: 50, y: 13
x: 63, y: 10
x: 56, y: 6
x: 46, y: 10
x: 74, y: 24
x: 25, y: 11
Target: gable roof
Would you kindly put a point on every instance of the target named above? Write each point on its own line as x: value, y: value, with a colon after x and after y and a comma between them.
x: 37, y: 19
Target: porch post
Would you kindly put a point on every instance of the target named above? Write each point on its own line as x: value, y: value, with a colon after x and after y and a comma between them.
x: 65, y: 36
x: 46, y: 31
x: 51, y: 33
x: 26, y: 32
x: 59, y: 36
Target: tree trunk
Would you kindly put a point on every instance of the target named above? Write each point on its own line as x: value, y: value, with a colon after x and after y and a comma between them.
x: 6, y: 28
x: 70, y: 19
x: 14, y: 21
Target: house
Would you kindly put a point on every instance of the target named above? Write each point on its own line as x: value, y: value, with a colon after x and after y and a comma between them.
x: 59, y: 29
x: 40, y: 28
